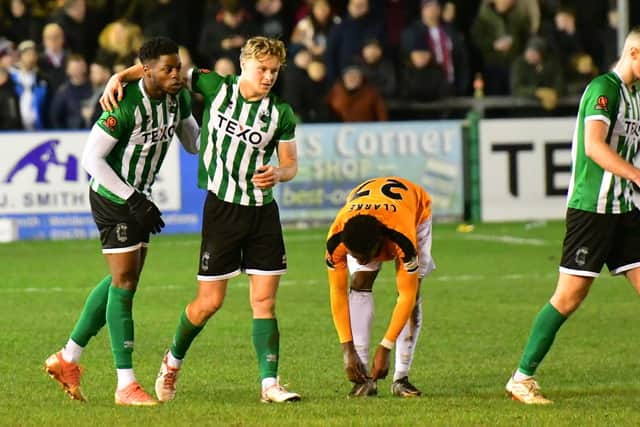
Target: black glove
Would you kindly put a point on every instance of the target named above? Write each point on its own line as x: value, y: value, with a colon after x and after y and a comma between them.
x: 145, y: 212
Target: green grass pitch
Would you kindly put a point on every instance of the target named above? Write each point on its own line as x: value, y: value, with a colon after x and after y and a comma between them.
x: 478, y: 307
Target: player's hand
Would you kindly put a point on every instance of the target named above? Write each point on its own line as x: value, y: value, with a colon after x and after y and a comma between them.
x: 265, y: 177
x: 380, y: 363
x: 145, y: 212
x: 356, y: 370
x: 112, y: 94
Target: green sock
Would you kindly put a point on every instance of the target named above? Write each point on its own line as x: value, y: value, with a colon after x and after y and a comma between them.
x: 186, y: 332
x: 543, y: 332
x: 266, y: 340
x: 93, y: 315
x: 120, y: 323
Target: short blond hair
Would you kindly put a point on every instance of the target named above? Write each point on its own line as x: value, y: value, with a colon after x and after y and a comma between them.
x: 632, y: 39
x: 259, y: 46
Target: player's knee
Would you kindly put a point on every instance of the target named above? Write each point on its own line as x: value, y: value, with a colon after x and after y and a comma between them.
x: 263, y: 305
x: 362, y: 282
x: 206, y: 308
x: 128, y: 281
x: 566, y: 304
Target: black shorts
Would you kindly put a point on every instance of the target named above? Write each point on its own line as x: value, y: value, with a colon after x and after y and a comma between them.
x: 238, y: 238
x: 593, y: 240
x: 119, y: 231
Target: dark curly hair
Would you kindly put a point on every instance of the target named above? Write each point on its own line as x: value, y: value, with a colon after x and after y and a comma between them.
x: 362, y: 233
x: 156, y: 47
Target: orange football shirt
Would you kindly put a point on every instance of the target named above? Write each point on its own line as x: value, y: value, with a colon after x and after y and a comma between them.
x: 400, y: 205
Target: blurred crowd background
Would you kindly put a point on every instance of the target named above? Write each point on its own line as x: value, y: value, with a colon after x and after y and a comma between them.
x: 349, y: 60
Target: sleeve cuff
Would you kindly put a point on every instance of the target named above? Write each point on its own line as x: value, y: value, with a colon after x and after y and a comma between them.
x: 386, y: 344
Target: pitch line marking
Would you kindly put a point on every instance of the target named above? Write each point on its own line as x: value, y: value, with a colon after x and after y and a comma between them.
x: 286, y: 282
x: 508, y: 239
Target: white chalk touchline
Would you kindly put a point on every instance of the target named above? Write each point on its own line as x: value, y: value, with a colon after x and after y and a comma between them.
x: 508, y: 239
x: 306, y: 282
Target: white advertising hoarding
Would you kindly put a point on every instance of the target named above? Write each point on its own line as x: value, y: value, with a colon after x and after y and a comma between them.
x: 525, y: 168
x: 41, y: 173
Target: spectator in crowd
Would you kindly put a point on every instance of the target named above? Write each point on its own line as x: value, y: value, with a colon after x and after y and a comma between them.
x: 226, y: 34
x: 548, y: 10
x: 531, y: 10
x: 52, y: 61
x: 609, y: 40
x: 99, y: 73
x: 311, y: 32
x: 379, y: 70
x: 396, y: 16
x: 346, y: 39
x: 224, y: 66
x: 165, y: 18
x: 500, y: 33
x: 580, y: 72
x: 353, y: 99
x: 66, y: 108
x: 591, y: 19
x: 80, y: 29
x: 537, y: 74
x: 21, y: 24
x: 272, y: 20
x: 31, y: 86
x: 563, y: 38
x: 7, y: 54
x: 449, y: 12
x: 302, y: 10
x: 9, y: 103
x: 120, y: 42
x: 445, y: 44
x: 305, y: 87
x: 421, y: 77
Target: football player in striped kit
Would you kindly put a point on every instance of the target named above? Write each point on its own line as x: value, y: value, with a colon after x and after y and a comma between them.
x: 602, y: 218
x: 244, y: 125
x: 124, y: 152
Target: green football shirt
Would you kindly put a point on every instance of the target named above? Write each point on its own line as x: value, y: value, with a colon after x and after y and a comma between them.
x: 592, y: 188
x: 144, y: 128
x: 237, y: 137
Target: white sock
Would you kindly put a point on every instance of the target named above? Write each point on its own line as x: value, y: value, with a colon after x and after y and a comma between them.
x: 361, y: 311
x: 125, y: 377
x: 268, y: 382
x: 520, y: 376
x: 173, y: 362
x: 406, y: 342
x: 71, y: 351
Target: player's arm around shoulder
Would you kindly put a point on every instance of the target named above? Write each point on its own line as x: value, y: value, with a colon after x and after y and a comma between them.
x: 114, y: 90
x: 188, y: 131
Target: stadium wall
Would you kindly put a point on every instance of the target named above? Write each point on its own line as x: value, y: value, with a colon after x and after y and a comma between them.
x: 44, y: 191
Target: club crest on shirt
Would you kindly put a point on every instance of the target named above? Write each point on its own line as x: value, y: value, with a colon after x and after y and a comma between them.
x: 602, y: 103
x: 111, y: 122
x: 173, y: 106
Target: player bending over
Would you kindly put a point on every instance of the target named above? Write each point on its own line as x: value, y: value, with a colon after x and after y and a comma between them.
x: 387, y: 218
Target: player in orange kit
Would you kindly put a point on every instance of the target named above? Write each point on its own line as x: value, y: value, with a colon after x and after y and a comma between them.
x: 386, y: 218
